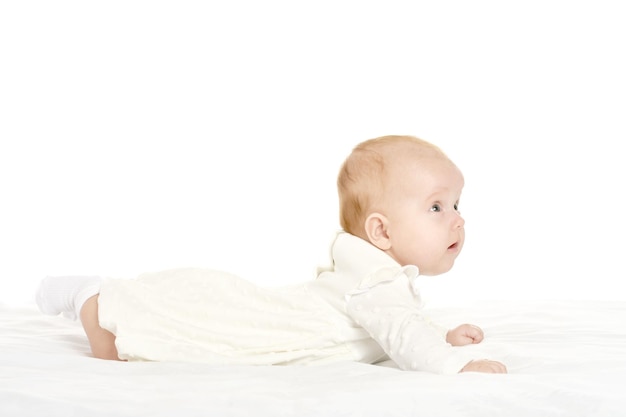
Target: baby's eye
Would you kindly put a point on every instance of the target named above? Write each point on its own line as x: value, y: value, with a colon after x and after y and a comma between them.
x: 456, y: 207
x: 435, y: 208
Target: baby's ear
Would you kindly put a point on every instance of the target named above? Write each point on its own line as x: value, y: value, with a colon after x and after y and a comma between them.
x: 376, y: 229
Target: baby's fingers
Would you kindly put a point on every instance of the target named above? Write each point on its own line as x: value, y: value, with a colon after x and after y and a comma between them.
x: 486, y: 366
x: 475, y: 333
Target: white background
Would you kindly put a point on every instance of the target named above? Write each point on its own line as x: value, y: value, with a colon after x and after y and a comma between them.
x: 138, y: 136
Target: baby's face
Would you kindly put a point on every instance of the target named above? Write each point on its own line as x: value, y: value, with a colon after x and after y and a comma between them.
x: 425, y: 227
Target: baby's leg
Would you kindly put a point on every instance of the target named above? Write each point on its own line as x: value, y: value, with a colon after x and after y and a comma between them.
x: 102, y: 341
x: 74, y: 297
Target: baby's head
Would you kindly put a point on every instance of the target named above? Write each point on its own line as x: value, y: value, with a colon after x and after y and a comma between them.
x: 401, y: 194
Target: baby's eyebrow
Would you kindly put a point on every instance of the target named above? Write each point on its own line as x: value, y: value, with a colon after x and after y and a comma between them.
x: 437, y: 195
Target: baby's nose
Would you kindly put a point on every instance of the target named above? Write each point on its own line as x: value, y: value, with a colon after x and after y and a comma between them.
x: 459, y: 221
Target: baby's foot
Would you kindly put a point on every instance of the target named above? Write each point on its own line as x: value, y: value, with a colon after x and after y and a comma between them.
x: 66, y: 295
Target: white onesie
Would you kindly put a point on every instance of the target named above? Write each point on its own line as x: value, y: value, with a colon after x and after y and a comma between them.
x: 366, y: 308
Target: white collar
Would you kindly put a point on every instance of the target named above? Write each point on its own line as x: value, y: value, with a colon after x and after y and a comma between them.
x: 359, y: 257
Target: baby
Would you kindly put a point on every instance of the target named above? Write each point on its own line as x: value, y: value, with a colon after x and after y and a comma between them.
x: 399, y: 198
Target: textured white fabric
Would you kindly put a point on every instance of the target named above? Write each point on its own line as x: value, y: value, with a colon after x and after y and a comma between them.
x: 200, y: 315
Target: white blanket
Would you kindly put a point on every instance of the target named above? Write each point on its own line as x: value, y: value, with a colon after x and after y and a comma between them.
x: 565, y: 358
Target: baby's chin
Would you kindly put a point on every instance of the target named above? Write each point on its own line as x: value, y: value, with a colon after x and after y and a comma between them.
x: 438, y: 270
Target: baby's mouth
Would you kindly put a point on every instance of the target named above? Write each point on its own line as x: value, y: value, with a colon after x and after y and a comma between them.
x: 453, y: 246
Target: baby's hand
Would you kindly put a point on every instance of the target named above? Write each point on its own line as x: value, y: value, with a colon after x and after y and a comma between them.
x: 465, y: 334
x: 485, y: 365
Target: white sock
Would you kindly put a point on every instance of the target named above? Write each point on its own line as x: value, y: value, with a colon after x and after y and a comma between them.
x: 66, y: 295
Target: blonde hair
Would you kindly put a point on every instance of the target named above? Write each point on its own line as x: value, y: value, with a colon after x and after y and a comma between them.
x: 363, y: 175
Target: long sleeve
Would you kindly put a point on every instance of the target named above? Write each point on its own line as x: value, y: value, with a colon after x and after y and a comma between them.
x: 389, y: 308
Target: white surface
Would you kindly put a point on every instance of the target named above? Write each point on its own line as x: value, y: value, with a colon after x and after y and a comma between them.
x: 565, y: 358
x: 140, y: 136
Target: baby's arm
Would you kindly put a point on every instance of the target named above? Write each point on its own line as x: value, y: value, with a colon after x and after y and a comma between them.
x: 391, y: 314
